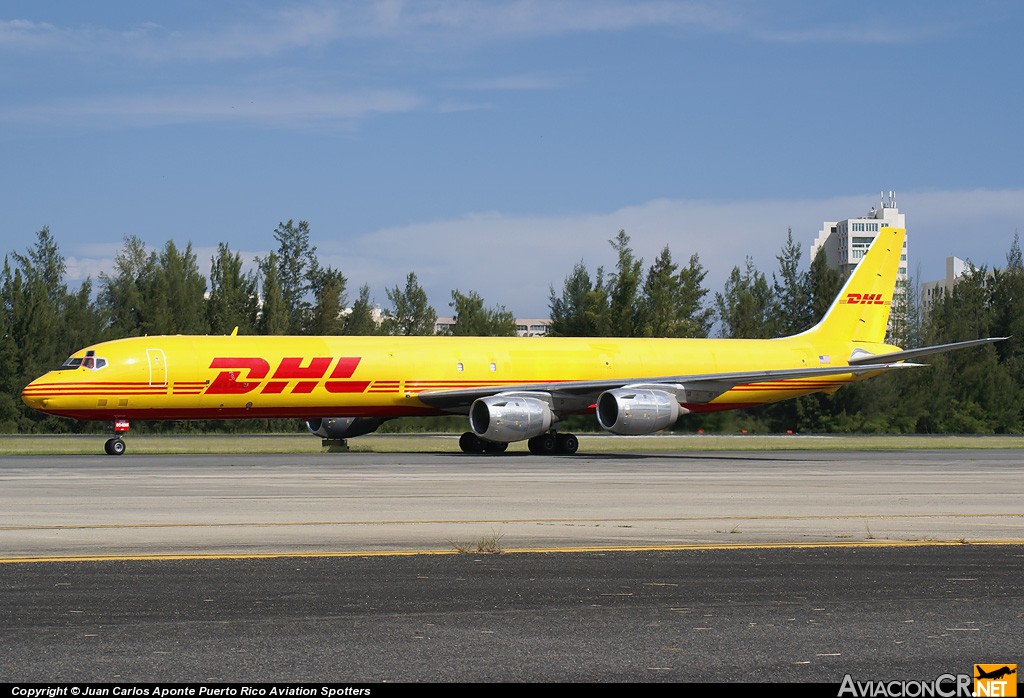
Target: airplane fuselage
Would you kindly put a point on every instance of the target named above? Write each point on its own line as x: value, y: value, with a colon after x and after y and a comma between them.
x: 212, y: 377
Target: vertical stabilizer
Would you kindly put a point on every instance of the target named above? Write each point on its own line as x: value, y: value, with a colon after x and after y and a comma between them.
x: 860, y: 313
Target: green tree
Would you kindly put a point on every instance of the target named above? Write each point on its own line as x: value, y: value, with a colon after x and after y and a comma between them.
x: 744, y: 306
x: 672, y: 303
x: 472, y: 319
x: 273, y: 318
x: 581, y: 310
x: 1008, y: 309
x: 234, y: 301
x: 791, y: 296
x: 178, y: 291
x: 154, y: 294
x: 624, y: 289
x: 326, y: 315
x: 905, y: 316
x: 969, y: 391
x: 360, y: 321
x: 123, y: 295
x: 823, y: 284
x: 296, y: 271
x: 41, y: 323
x: 410, y: 312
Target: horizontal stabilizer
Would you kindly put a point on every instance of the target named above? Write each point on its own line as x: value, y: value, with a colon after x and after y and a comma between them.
x: 864, y: 357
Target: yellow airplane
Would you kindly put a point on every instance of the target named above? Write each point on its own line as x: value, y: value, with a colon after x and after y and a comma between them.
x: 512, y: 389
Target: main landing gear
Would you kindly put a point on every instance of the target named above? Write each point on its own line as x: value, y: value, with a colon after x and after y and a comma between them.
x: 548, y: 444
x: 471, y: 443
x: 545, y: 444
x: 115, y: 446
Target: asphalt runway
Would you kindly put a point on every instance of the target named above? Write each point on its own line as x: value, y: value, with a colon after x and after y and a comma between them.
x: 745, y: 566
x: 804, y: 615
x: 84, y: 506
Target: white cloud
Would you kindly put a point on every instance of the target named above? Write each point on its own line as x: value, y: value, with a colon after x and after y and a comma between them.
x: 317, y: 24
x: 512, y: 260
x: 218, y: 106
x: 443, y: 24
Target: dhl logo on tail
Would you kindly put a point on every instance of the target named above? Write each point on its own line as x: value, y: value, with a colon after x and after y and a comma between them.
x: 863, y: 299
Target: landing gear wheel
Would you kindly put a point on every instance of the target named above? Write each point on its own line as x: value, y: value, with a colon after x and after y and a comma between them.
x: 471, y: 443
x: 114, y: 447
x: 494, y: 446
x: 567, y: 444
x: 542, y: 445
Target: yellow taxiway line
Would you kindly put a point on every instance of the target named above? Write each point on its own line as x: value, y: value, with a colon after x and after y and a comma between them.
x: 531, y: 551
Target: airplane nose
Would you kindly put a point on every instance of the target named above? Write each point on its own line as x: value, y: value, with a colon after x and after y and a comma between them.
x: 33, y: 396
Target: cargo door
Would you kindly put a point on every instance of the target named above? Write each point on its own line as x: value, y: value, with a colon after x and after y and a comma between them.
x: 157, y: 368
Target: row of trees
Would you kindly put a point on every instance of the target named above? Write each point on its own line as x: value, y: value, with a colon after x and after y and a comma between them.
x: 670, y: 300
x: 290, y: 292
x: 150, y: 292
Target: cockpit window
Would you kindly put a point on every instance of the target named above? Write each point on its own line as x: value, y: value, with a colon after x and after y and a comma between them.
x: 91, y: 362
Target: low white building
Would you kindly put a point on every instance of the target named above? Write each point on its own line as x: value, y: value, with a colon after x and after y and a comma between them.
x: 930, y: 290
x: 525, y: 327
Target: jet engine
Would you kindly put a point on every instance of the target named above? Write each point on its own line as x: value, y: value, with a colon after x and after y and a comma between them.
x: 507, y: 418
x: 645, y: 411
x: 342, y: 427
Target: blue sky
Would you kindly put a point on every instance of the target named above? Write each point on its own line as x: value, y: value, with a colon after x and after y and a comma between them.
x: 490, y: 146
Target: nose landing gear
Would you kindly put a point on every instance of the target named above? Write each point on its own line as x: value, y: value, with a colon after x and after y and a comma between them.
x: 115, y: 446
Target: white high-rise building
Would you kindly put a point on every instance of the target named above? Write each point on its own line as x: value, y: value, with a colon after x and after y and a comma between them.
x: 845, y: 242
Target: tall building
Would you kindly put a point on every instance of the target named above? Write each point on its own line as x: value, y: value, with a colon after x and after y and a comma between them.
x: 845, y: 242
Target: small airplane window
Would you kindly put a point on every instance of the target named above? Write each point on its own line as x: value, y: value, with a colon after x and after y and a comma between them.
x: 459, y: 366
x: 493, y: 367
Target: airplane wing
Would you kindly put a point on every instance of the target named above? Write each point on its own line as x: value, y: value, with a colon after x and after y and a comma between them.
x: 693, y: 389
x: 864, y: 357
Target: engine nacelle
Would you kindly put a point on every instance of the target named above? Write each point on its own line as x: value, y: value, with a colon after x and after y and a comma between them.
x: 342, y: 427
x: 509, y: 418
x: 632, y: 412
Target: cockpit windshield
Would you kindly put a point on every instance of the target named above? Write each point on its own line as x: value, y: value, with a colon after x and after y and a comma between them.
x: 90, y: 361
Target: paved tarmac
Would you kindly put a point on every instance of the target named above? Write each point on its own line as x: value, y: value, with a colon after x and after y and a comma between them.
x: 814, y: 615
x: 781, y: 566
x: 81, y: 506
